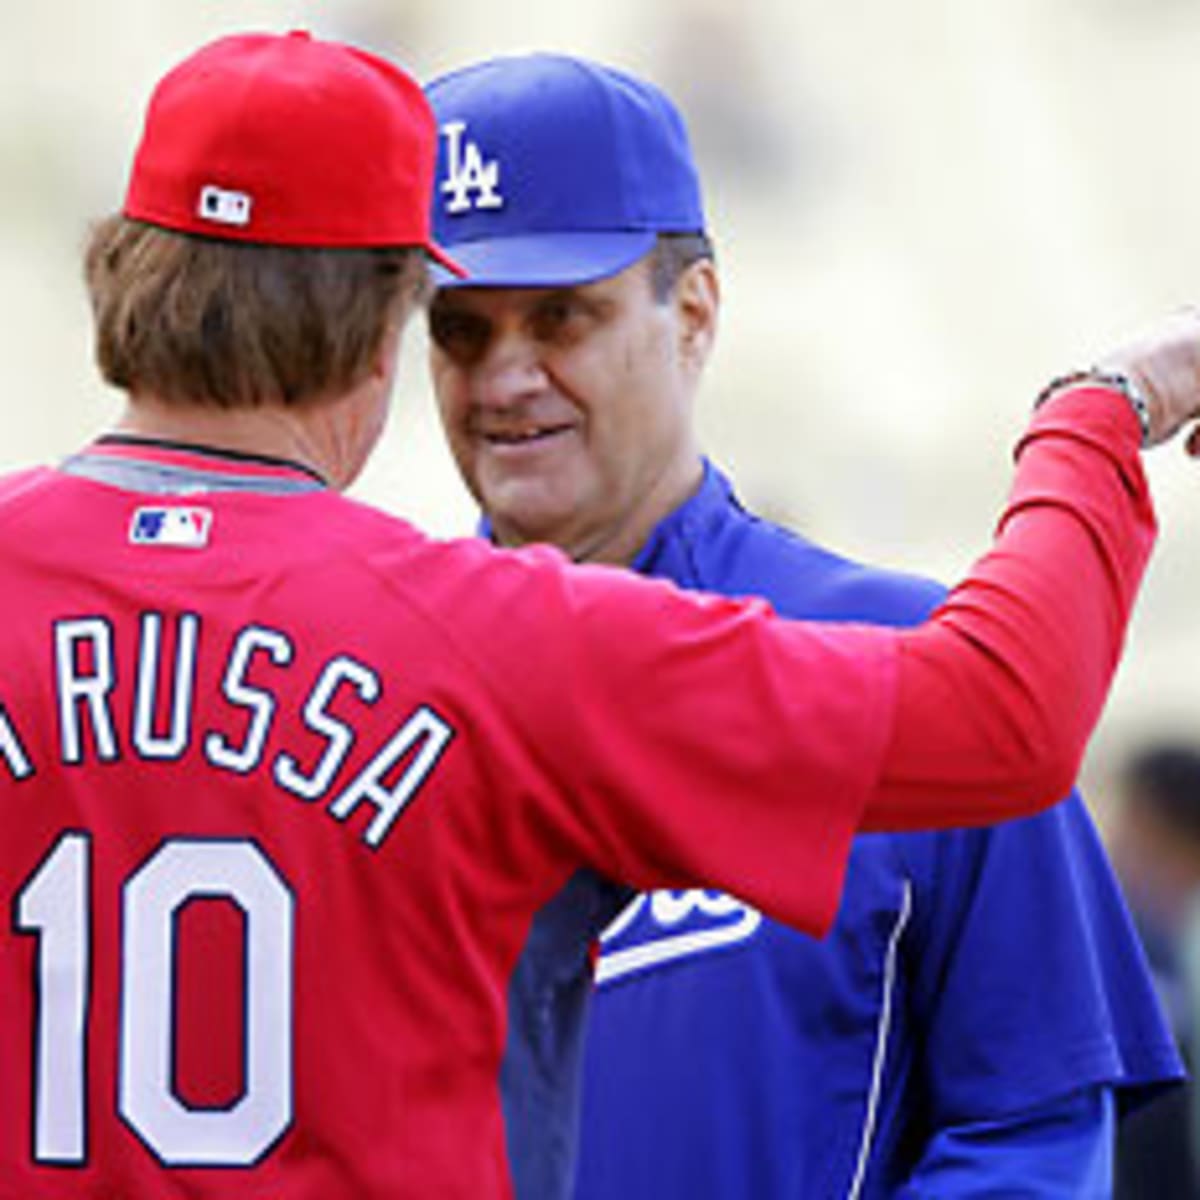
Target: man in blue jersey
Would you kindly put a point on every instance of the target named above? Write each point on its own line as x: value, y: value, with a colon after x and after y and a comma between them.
x: 981, y: 1012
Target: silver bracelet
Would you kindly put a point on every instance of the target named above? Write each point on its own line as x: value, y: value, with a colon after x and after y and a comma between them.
x: 1116, y: 381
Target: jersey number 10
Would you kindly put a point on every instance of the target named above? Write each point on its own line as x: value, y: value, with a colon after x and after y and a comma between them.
x: 55, y: 905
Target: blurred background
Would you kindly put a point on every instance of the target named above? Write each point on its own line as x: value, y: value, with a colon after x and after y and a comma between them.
x: 922, y: 211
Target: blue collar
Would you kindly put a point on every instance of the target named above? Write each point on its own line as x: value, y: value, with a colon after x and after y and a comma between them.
x: 709, y: 503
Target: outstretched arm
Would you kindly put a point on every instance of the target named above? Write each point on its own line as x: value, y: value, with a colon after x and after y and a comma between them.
x: 1044, y: 612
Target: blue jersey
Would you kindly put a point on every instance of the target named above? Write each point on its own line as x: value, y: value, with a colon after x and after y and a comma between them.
x: 971, y: 975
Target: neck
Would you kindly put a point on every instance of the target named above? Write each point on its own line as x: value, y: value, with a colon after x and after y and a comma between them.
x: 317, y: 436
x: 618, y: 544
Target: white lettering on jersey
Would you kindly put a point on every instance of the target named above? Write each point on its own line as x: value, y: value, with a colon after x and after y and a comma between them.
x: 260, y: 703
x: 81, y: 683
x: 180, y: 872
x: 183, y: 673
x: 11, y: 749
x: 338, y: 735
x: 714, y: 919
x: 466, y: 172
x: 424, y: 728
x: 53, y: 905
x: 158, y: 701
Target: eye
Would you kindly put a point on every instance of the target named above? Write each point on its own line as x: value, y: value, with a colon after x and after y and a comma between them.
x: 461, y: 336
x: 560, y: 317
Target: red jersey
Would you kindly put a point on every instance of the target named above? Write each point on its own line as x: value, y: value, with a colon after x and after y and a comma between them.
x: 285, y: 786
x: 307, y: 817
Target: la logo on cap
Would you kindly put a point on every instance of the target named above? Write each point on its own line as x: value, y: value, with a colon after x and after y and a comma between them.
x: 466, y: 172
x: 224, y: 206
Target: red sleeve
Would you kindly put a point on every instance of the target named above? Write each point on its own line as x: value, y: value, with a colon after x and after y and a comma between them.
x: 999, y: 732
x: 662, y: 738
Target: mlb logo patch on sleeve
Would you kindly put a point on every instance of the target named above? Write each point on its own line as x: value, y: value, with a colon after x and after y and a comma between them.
x: 171, y: 525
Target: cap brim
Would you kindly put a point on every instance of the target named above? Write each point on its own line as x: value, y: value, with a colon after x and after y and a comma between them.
x: 443, y: 264
x: 545, y: 259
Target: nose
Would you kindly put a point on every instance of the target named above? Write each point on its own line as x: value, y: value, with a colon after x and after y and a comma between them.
x: 510, y: 372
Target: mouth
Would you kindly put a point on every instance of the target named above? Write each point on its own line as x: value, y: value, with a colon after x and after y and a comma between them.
x: 522, y: 436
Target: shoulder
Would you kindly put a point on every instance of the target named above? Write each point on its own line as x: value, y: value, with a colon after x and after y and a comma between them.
x: 953, y: 864
x: 737, y: 552
x: 16, y: 485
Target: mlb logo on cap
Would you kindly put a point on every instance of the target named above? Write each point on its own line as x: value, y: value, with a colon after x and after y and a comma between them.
x: 228, y: 208
x: 171, y: 525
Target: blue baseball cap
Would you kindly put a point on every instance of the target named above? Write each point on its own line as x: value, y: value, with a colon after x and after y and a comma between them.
x: 554, y: 171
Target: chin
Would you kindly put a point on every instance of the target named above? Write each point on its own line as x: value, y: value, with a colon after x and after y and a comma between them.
x: 527, y: 513
x: 518, y: 525
x: 527, y: 533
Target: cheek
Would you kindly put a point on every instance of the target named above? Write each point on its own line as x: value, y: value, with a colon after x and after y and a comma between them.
x: 641, y: 423
x: 449, y: 392
x: 463, y: 449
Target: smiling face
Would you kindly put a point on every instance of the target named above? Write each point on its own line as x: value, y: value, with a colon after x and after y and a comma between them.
x: 569, y: 410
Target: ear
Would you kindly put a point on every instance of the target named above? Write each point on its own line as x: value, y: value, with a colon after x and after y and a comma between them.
x: 697, y: 301
x: 387, y: 356
x: 411, y: 299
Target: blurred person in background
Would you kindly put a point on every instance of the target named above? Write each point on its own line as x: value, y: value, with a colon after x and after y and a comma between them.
x: 982, y: 1012
x: 1155, y: 840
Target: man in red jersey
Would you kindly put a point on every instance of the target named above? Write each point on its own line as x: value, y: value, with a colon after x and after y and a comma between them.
x: 306, y: 814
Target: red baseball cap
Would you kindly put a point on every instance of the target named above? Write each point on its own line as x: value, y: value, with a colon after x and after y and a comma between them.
x: 288, y: 140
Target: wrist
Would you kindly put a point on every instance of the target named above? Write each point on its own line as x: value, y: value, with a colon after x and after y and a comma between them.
x: 1112, y: 380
